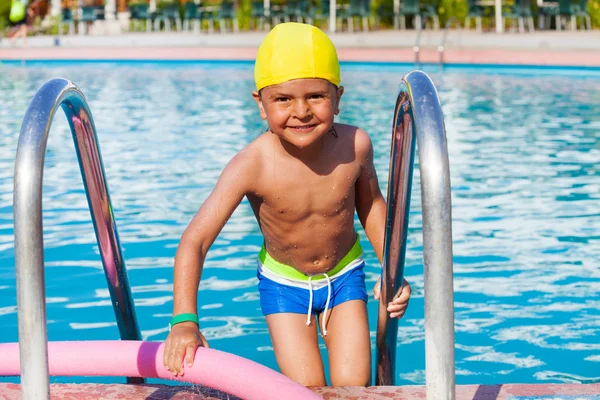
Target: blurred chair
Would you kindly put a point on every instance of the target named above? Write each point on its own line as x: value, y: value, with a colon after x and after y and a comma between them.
x: 100, y: 12
x: 566, y: 9
x: 279, y: 12
x: 292, y: 11
x: 523, y: 8
x: 385, y: 11
x: 323, y: 11
x: 410, y: 7
x: 547, y: 9
x: 510, y: 13
x: 307, y: 11
x: 88, y: 17
x: 140, y: 14
x: 357, y: 9
x: 257, y: 12
x: 227, y: 13
x: 580, y: 11
x: 168, y: 13
x: 430, y: 11
x: 191, y: 13
x: 66, y: 18
x: 474, y: 11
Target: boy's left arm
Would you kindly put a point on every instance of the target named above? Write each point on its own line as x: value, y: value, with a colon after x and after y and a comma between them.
x: 371, y: 209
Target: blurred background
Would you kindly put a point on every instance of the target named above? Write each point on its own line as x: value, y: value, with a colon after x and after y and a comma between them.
x: 116, y: 16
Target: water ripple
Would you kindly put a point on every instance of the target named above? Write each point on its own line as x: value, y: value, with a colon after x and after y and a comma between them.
x: 525, y: 173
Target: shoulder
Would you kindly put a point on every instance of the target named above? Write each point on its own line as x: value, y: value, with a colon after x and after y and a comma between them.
x: 360, y: 140
x: 248, y: 163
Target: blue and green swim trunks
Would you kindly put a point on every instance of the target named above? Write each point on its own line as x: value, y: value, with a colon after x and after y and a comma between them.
x: 284, y: 289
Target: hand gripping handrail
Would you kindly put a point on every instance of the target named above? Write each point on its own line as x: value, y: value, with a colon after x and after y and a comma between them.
x: 418, y: 113
x: 29, y: 246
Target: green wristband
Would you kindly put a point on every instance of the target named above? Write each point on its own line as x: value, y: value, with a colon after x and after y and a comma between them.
x: 186, y: 317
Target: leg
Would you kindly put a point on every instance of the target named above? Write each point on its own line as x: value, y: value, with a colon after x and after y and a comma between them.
x: 349, y: 344
x: 297, y: 348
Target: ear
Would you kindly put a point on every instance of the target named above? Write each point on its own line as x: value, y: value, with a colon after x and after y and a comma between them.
x: 340, y: 92
x: 260, y: 105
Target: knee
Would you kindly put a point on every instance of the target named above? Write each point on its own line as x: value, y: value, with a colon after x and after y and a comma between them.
x: 310, y: 381
x: 351, y: 378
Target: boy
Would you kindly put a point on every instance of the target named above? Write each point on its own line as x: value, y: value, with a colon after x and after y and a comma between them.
x: 304, y: 178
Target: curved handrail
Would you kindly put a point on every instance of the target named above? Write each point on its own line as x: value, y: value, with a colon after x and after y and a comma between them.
x: 441, y: 47
x: 418, y: 113
x: 29, y: 246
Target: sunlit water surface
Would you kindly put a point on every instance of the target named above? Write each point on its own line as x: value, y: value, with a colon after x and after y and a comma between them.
x: 525, y: 167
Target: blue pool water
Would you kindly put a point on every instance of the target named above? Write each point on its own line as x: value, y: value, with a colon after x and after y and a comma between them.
x: 525, y: 164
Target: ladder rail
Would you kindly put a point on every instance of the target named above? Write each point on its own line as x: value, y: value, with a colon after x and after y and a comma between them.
x: 29, y: 246
x: 418, y: 114
x: 420, y: 24
x: 441, y: 47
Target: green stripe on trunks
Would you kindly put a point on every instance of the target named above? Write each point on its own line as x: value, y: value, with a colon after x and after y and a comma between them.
x: 286, y: 271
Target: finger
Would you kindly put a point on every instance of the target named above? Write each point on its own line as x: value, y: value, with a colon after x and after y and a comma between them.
x: 402, y: 299
x: 403, y: 293
x: 204, y: 342
x: 166, y: 352
x: 396, y: 307
x: 190, y: 352
x: 376, y: 291
x: 397, y: 315
x: 177, y: 360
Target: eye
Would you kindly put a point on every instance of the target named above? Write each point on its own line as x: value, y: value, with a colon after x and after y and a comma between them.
x: 281, y: 99
x: 316, y: 96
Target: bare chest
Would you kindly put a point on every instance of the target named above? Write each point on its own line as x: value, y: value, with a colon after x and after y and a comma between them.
x: 296, y: 192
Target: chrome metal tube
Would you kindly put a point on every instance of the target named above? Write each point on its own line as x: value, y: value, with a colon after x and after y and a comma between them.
x: 421, y: 116
x: 394, y: 250
x: 29, y: 247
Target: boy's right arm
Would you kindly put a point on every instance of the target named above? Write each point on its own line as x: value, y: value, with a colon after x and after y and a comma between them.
x: 233, y: 184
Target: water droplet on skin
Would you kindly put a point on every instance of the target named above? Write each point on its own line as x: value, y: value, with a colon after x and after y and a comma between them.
x: 295, y: 246
x: 316, y: 262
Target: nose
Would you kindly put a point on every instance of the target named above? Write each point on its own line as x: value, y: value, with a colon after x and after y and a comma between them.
x: 301, y: 109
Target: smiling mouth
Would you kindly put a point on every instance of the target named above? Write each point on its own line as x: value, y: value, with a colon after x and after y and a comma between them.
x: 302, y: 128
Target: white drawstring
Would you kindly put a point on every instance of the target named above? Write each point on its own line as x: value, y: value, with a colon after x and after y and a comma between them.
x: 324, y: 320
x: 310, y: 301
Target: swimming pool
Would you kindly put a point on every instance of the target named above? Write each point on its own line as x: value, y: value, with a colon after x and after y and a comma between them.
x: 525, y: 166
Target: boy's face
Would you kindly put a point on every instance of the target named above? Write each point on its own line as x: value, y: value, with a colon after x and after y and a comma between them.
x: 300, y: 111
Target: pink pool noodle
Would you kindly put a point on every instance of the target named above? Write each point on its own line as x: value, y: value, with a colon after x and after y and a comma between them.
x: 213, y: 368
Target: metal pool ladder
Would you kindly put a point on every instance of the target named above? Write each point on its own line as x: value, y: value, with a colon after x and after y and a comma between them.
x: 441, y: 47
x: 418, y: 114
x: 29, y: 246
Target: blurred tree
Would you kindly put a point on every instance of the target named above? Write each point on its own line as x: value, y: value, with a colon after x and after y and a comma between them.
x: 4, y: 13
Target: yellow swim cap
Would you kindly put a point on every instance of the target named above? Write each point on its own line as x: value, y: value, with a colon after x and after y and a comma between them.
x: 295, y: 51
